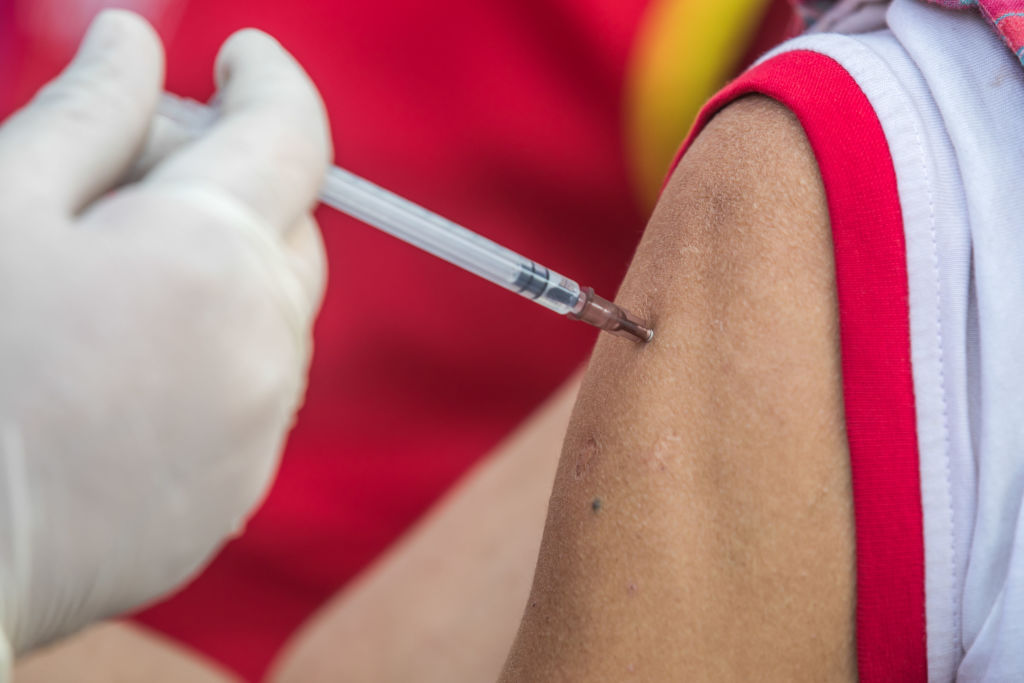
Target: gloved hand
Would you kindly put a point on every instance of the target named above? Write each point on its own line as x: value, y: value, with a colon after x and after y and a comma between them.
x: 156, y: 334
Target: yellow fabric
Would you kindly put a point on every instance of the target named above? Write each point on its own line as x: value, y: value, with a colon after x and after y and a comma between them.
x: 684, y: 52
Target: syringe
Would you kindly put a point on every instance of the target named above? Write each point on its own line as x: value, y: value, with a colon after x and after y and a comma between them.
x: 447, y: 240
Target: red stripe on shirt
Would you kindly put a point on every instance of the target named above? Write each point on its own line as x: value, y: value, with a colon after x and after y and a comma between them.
x: 871, y: 278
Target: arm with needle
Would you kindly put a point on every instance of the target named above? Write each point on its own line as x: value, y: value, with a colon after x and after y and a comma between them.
x: 701, y: 524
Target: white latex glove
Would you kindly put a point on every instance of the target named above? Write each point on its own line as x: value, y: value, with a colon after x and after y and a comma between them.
x: 156, y: 335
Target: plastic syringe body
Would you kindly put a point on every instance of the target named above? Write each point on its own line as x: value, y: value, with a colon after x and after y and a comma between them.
x: 411, y: 223
x: 447, y: 240
x: 439, y: 236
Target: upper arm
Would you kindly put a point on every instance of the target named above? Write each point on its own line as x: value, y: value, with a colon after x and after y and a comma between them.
x: 701, y: 519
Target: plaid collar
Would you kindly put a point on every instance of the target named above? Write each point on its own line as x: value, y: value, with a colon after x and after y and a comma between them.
x: 1005, y: 16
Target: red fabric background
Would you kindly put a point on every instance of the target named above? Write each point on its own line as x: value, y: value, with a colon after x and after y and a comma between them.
x: 871, y: 278
x: 503, y: 115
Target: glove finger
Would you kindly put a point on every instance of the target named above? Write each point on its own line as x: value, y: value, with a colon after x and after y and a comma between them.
x: 270, y: 147
x: 82, y: 131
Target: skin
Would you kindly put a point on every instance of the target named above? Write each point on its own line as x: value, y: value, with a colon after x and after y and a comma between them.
x: 701, y: 521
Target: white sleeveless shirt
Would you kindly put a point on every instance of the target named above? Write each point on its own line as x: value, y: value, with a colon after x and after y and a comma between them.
x: 931, y: 294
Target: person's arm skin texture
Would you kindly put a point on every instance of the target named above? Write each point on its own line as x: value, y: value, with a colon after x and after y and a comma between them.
x: 701, y: 525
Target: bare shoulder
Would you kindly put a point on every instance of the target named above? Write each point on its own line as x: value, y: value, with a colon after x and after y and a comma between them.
x: 701, y: 520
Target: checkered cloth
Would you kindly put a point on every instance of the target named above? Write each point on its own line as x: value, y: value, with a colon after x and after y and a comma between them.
x: 1006, y: 16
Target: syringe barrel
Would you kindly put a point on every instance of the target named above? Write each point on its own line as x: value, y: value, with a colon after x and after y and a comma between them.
x: 447, y: 240
x: 413, y: 224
